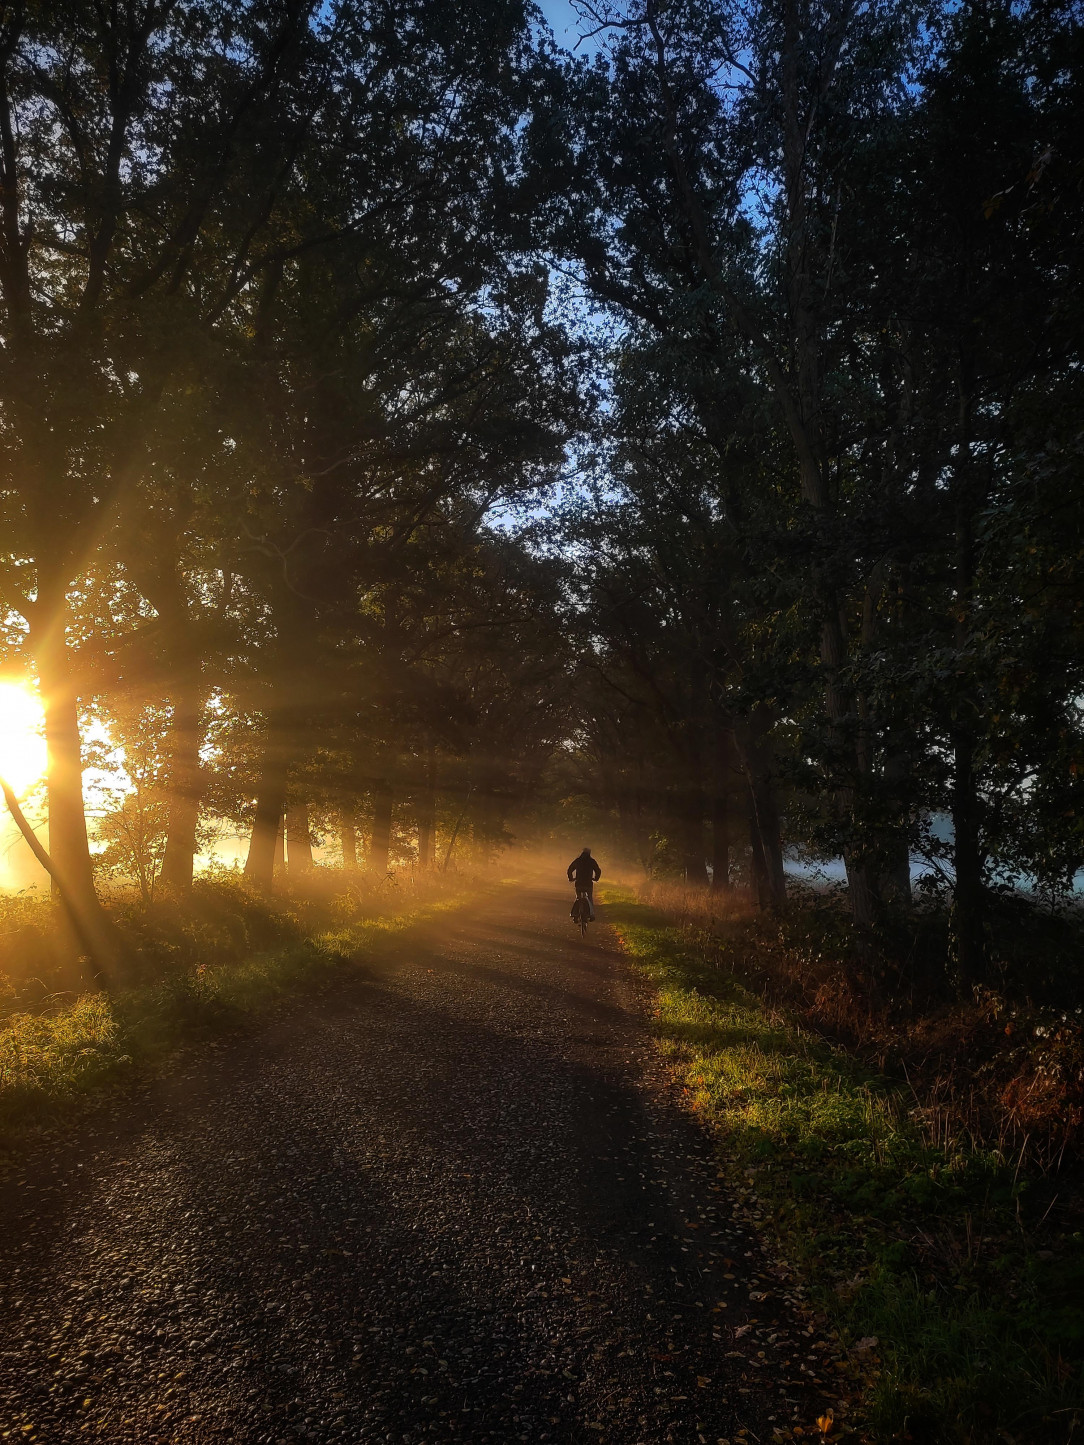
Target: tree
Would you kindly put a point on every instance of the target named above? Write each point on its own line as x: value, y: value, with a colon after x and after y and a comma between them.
x: 811, y: 216
x: 127, y: 225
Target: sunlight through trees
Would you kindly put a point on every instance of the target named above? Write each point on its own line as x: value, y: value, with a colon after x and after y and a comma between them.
x: 419, y: 435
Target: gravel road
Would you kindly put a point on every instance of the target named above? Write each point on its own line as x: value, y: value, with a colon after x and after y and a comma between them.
x: 455, y: 1199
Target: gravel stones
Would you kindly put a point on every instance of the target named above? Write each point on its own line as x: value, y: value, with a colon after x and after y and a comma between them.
x: 456, y: 1200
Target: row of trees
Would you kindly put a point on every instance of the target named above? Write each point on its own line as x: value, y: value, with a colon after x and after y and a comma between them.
x: 281, y: 336
x: 417, y: 750
x: 840, y: 581
x: 271, y: 354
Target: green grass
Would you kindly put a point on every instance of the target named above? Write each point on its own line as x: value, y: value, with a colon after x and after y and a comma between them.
x: 67, y: 1052
x: 940, y: 1255
x: 207, y: 977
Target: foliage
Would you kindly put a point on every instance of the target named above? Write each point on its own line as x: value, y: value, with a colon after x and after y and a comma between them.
x: 272, y: 353
x: 845, y: 420
x: 291, y: 382
x: 134, y: 834
x: 960, y: 1270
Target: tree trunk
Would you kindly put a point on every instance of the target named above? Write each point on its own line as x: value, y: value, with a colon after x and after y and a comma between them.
x: 278, y: 869
x: 968, y: 911
x: 894, y: 879
x: 892, y: 870
x: 802, y: 408
x: 756, y: 853
x: 427, y: 807
x: 720, y: 845
x: 720, y: 812
x: 764, y: 826
x: 968, y: 921
x: 92, y: 931
x: 186, y: 789
x: 449, y: 852
x: 298, y: 840
x: 797, y: 384
x: 270, y: 806
x: 380, y: 843
x: 844, y: 760
x: 691, y: 826
x: 425, y: 842
x: 349, y: 833
x: 766, y: 814
x: 69, y: 847
x: 74, y: 923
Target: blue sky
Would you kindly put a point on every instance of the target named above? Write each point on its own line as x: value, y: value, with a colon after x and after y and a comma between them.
x: 563, y: 21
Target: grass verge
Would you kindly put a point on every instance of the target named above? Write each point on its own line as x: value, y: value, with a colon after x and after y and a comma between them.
x: 208, y: 967
x: 961, y: 1270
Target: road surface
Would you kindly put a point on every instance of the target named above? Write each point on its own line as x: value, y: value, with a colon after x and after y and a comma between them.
x: 456, y: 1199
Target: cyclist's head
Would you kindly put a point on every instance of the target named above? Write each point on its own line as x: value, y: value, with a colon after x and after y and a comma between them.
x: 586, y: 853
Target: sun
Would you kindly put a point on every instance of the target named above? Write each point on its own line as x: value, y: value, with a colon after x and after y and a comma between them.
x: 22, y: 744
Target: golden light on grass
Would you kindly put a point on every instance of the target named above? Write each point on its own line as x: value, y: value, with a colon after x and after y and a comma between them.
x: 22, y: 741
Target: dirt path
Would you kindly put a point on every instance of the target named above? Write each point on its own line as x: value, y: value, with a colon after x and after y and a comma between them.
x: 456, y: 1200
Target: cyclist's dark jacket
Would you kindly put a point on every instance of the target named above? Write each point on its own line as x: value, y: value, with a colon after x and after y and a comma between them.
x: 585, y: 869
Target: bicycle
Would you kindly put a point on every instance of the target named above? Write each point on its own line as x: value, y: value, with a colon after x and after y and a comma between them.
x: 581, y: 911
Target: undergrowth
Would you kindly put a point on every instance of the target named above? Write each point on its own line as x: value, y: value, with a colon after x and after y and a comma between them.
x: 197, y: 967
x: 1001, y: 1069
x: 968, y: 1273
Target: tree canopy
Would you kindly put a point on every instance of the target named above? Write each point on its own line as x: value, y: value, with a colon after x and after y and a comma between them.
x: 406, y: 424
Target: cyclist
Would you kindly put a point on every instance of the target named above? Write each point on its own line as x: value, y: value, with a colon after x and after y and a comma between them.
x: 583, y: 871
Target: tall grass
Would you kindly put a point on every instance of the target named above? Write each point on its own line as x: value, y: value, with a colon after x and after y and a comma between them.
x: 63, y: 1052
x: 1000, y: 1071
x: 937, y: 1250
x: 198, y: 966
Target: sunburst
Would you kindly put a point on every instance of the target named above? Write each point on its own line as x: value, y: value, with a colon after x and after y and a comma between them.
x: 22, y: 741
